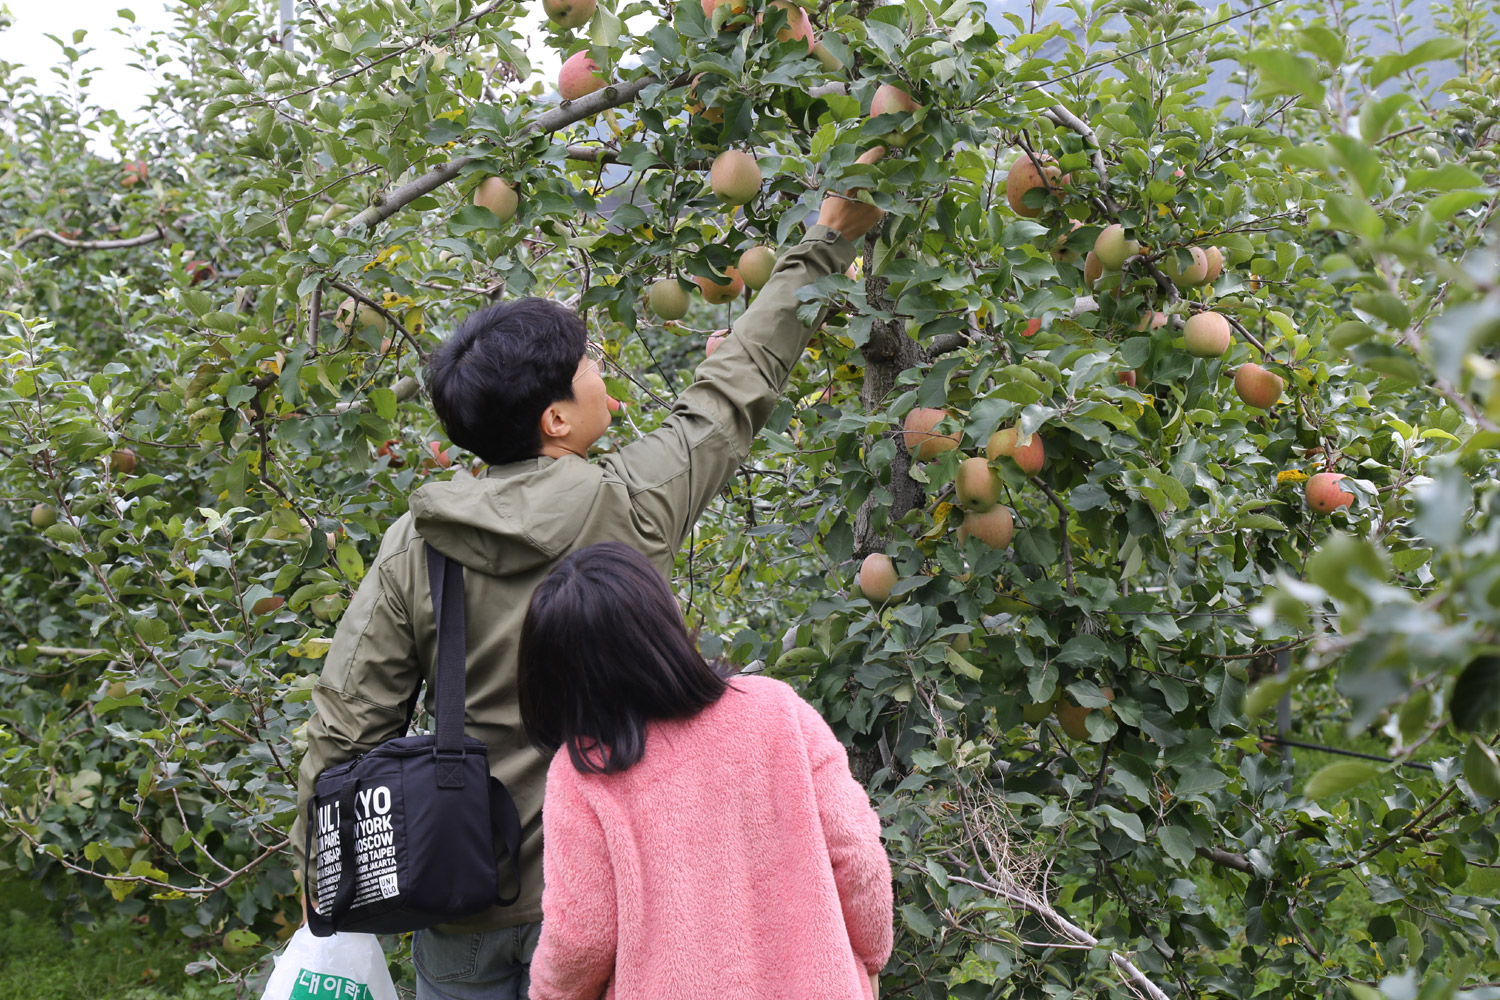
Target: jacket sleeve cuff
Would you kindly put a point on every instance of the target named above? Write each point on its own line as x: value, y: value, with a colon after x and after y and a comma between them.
x: 826, y: 234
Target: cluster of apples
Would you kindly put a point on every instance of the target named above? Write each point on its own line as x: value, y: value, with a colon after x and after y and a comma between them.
x: 977, y: 487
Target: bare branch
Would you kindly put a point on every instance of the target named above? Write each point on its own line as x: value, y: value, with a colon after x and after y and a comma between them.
x: 595, y: 154
x: 71, y: 244
x: 1227, y: 859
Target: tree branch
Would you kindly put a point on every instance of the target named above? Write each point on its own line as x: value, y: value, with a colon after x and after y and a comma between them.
x: 1227, y: 859
x: 565, y: 114
x: 1062, y: 527
x: 596, y: 154
x: 134, y: 241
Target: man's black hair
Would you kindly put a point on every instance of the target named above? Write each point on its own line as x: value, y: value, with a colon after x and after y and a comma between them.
x: 503, y: 366
x: 603, y: 652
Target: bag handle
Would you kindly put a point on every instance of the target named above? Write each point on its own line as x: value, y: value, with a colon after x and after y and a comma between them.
x: 445, y: 577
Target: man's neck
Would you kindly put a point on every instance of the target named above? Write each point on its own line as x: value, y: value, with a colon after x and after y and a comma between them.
x: 561, y: 449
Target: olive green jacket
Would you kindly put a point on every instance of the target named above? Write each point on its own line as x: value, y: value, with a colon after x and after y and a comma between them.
x: 509, y: 527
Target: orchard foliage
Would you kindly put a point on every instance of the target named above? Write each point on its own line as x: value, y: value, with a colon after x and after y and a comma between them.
x: 1063, y: 736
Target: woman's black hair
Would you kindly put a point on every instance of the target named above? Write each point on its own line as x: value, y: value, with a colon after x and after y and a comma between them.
x: 604, y: 651
x: 503, y: 366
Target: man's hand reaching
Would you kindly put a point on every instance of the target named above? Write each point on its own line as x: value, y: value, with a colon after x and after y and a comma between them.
x: 850, y: 217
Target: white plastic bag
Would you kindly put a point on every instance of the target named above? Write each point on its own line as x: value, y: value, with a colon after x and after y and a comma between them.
x: 341, y: 967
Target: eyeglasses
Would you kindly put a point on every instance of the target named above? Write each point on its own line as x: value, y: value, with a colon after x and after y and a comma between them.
x: 594, y: 354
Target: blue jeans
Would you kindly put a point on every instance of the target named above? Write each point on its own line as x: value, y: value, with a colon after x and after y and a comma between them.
x: 484, y: 965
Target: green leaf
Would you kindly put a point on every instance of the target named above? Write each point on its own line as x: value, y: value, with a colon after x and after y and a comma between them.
x: 1259, y: 522
x: 1266, y: 692
x: 1476, y: 696
x: 1445, y: 47
x: 959, y: 665
x: 1198, y: 780
x: 1283, y: 72
x: 1335, y: 779
x: 1482, y: 769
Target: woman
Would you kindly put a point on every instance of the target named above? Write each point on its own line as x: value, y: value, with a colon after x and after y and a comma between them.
x: 703, y: 838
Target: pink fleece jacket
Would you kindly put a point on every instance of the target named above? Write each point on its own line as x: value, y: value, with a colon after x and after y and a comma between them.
x: 738, y: 860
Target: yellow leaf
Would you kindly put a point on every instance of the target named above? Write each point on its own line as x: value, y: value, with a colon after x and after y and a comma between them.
x: 312, y: 649
x: 1290, y: 477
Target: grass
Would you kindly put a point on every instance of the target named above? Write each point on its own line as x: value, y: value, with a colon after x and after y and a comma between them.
x: 43, y: 958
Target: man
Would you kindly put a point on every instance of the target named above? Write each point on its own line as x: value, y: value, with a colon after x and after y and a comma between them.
x: 519, y: 385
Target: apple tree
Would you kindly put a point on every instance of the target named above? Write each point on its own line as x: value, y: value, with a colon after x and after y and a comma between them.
x: 1161, y: 405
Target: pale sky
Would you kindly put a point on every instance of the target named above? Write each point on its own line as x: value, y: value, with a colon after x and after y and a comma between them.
x: 116, y: 85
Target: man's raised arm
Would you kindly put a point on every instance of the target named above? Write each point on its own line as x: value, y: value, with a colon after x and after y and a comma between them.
x: 675, y: 471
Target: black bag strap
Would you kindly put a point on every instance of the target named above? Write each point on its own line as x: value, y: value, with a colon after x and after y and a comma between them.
x: 505, y: 821
x: 445, y: 577
x: 343, y: 897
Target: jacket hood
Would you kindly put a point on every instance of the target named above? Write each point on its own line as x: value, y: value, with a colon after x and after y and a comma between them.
x: 512, y: 519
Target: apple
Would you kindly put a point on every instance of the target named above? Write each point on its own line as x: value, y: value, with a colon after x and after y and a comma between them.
x: 695, y: 107
x: 1032, y: 326
x: 719, y: 336
x: 1151, y: 321
x: 892, y: 100
x: 736, y: 7
x: 578, y: 77
x: 266, y: 605
x: 1215, y: 258
x: 719, y: 292
x: 1324, y: 495
x: 1060, y: 250
x: 1127, y: 378
x: 354, y: 315
x: 756, y: 265
x: 922, y: 442
x: 1257, y: 386
x: 1195, y: 274
x: 43, y: 516
x: 499, y: 197
x: 877, y: 575
x: 198, y: 271
x: 1207, y: 335
x: 830, y: 61
x: 993, y: 527
x: 569, y: 14
x: 799, y: 25
x: 439, y: 454
x: 1024, y: 176
x: 1029, y: 454
x: 735, y: 177
x: 387, y: 451
x: 667, y: 299
x: 135, y: 173
x: 977, y: 485
x: 122, y: 461
x: 613, y: 405
x: 1037, y: 711
x: 1093, y: 269
x: 1112, y: 248
x: 1072, y: 717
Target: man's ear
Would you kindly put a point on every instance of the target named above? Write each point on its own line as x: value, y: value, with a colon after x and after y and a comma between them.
x: 554, y: 423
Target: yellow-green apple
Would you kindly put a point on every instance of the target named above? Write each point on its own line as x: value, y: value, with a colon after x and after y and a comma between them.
x: 1112, y: 248
x: 1073, y: 718
x: 1325, y: 495
x: 1023, y: 176
x: 830, y: 62
x: 1093, y: 269
x: 735, y: 177
x: 1028, y: 454
x: 43, y: 516
x: 1195, y: 274
x: 578, y: 77
x: 877, y: 575
x: 668, y: 299
x: 1206, y: 335
x: 993, y: 527
x: 922, y: 442
x: 122, y: 461
x: 718, y: 292
x: 354, y: 315
x: 568, y: 14
x: 1215, y: 258
x: 1257, y: 386
x: 1037, y: 711
x: 756, y: 265
x: 977, y: 485
x: 497, y: 196
x: 1151, y: 321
